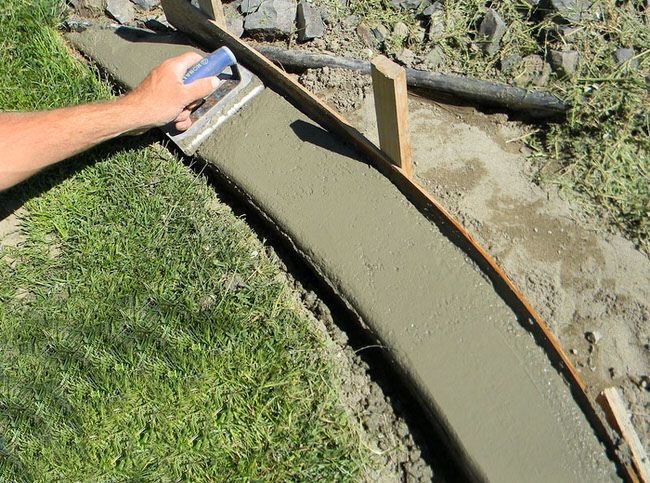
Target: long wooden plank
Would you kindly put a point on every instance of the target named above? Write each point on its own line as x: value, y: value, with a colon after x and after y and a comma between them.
x: 614, y: 407
x: 193, y: 22
x: 391, y: 107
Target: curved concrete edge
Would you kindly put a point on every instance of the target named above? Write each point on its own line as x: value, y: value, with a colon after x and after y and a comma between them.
x: 500, y: 436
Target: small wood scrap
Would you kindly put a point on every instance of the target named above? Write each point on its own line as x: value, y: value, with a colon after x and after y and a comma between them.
x: 391, y: 107
x: 618, y: 417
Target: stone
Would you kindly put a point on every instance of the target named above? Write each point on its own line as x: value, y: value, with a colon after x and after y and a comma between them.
x: 400, y: 31
x: 381, y: 33
x: 435, y: 58
x: 250, y: 6
x: 626, y: 56
x: 418, y: 35
x: 310, y: 22
x: 234, y: 20
x: 593, y: 337
x: 569, y: 10
x: 533, y: 70
x: 507, y: 64
x: 89, y: 7
x: 410, y: 4
x: 436, y: 25
x: 159, y: 23
x: 120, y: 10
x: 350, y: 21
x: 146, y: 4
x: 564, y: 63
x: 273, y: 19
x: 433, y: 8
x: 367, y: 36
x: 406, y: 57
x: 491, y: 31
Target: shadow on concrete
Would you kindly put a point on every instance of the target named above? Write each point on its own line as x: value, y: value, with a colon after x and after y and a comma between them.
x: 139, y: 35
x: 312, y: 133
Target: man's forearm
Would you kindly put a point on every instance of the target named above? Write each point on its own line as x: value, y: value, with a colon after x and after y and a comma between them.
x: 32, y: 141
x: 59, y: 134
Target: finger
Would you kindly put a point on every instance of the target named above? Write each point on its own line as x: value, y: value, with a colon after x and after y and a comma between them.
x: 183, y: 62
x: 201, y: 88
x: 183, y: 116
x: 183, y: 125
x: 194, y: 104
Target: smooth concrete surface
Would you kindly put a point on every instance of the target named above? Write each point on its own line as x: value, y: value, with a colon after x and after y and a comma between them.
x: 503, y: 406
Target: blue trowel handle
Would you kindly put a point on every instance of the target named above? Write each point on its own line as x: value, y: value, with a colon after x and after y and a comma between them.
x: 212, y: 65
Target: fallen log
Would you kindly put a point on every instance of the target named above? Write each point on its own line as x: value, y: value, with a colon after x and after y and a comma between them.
x: 494, y: 94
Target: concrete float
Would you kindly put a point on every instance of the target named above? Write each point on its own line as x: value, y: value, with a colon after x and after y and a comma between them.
x: 505, y: 411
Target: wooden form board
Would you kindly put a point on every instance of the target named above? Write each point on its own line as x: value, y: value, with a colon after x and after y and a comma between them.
x: 188, y: 19
x: 391, y: 107
x: 613, y: 405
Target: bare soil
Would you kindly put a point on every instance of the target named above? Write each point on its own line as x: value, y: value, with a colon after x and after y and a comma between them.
x: 588, y: 282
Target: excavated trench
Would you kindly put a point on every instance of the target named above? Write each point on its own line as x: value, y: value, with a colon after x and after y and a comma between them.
x: 484, y: 384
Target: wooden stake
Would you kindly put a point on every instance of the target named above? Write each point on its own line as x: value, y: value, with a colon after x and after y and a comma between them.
x: 214, y: 10
x: 391, y: 107
x: 614, y: 407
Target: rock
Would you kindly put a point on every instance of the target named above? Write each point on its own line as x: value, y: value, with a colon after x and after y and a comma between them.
x: 400, y: 31
x: 508, y: 63
x: 491, y: 31
x: 367, y: 36
x: 89, y: 7
x: 120, y: 10
x: 234, y: 20
x: 158, y: 23
x: 380, y: 32
x: 593, y: 337
x: 406, y: 57
x: 435, y: 58
x: 146, y: 4
x: 273, y: 18
x: 418, y: 35
x: 436, y: 24
x: 433, y: 8
x: 569, y: 10
x: 623, y: 56
x: 410, y: 4
x: 310, y: 22
x: 564, y: 63
x: 250, y: 6
x: 533, y: 70
x: 350, y: 21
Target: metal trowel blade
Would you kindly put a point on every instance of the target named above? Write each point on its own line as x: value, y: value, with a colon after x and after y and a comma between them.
x: 238, y: 86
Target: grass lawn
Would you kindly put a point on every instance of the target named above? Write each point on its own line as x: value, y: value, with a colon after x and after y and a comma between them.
x: 144, y: 332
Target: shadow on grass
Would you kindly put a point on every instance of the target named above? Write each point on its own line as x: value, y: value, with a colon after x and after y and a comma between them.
x: 14, y: 198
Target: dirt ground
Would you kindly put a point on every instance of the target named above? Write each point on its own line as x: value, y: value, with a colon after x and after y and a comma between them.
x: 588, y: 283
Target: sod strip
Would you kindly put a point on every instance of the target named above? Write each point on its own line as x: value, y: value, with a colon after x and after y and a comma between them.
x: 144, y: 332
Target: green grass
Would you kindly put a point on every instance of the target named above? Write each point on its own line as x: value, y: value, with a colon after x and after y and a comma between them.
x: 145, y: 335
x: 600, y: 155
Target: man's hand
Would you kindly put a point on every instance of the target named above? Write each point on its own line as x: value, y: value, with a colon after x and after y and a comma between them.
x: 162, y: 97
x: 32, y: 141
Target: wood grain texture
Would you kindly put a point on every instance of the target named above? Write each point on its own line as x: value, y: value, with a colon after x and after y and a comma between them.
x: 391, y: 108
x: 613, y: 405
x: 182, y: 15
x: 214, y: 10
